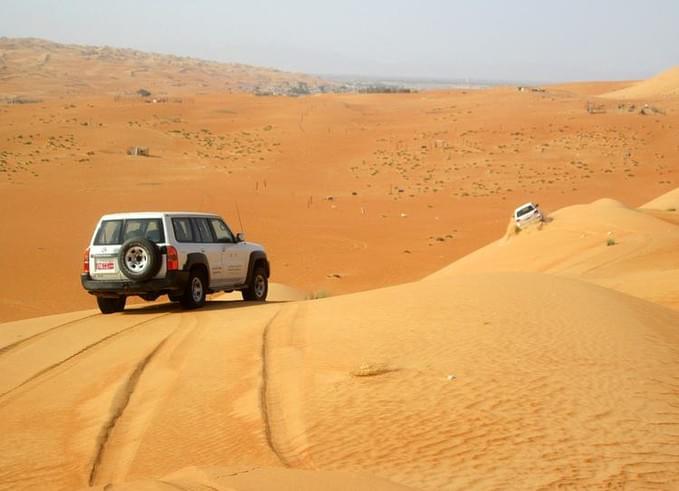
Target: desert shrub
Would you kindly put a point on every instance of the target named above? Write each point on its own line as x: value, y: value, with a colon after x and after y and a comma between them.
x: 371, y: 370
x: 317, y: 295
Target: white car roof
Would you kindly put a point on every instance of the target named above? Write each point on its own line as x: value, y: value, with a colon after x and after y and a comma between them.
x: 525, y: 204
x: 155, y: 214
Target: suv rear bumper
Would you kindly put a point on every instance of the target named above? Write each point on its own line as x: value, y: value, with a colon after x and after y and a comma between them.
x: 174, y: 282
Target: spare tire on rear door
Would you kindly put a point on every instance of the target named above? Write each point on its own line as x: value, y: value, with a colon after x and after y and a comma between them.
x: 139, y: 259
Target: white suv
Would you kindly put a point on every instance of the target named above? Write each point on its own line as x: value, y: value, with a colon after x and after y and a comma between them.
x: 183, y: 255
x: 528, y: 213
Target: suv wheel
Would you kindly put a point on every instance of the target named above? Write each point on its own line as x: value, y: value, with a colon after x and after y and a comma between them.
x: 196, y: 289
x: 258, y: 287
x: 109, y: 305
x: 139, y: 259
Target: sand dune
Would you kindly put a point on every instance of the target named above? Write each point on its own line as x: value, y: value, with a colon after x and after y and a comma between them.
x: 663, y: 85
x: 604, y: 242
x: 592, y: 88
x: 667, y: 202
x: 480, y: 381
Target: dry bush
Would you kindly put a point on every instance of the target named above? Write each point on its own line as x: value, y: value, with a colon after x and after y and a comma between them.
x: 138, y: 151
x: 371, y: 370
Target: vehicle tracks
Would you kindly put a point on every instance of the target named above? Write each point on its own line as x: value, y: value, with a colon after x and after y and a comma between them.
x: 28, y: 340
x: 280, y: 408
x: 120, y: 403
x: 87, y: 348
x: 115, y: 432
x: 263, y: 389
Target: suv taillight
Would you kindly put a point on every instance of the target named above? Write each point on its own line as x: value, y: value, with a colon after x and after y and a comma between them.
x: 172, y: 259
x: 86, y: 261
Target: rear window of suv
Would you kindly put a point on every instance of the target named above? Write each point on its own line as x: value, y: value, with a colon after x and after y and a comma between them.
x: 115, y: 232
x: 524, y: 210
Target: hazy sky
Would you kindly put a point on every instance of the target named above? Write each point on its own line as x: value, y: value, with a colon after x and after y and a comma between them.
x: 480, y: 39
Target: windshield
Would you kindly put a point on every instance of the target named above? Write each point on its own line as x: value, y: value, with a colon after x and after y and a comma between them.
x: 115, y: 232
x: 524, y: 210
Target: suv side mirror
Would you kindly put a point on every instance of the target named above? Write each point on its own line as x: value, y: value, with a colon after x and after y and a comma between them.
x: 240, y: 237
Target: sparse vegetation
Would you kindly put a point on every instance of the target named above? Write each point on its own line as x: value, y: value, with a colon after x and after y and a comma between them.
x: 611, y: 241
x: 385, y: 89
x: 20, y: 100
x: 372, y: 370
x: 317, y: 295
x: 138, y: 151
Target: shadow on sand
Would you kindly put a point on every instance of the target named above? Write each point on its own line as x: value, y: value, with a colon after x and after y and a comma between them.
x: 210, y: 305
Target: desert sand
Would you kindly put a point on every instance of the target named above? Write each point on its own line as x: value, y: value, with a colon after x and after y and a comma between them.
x: 668, y: 202
x: 349, y: 192
x: 413, y: 338
x: 485, y: 381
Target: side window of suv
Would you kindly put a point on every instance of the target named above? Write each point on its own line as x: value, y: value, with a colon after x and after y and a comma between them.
x: 204, y: 230
x: 183, y: 231
x: 221, y: 231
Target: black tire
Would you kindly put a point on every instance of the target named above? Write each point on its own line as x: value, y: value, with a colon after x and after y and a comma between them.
x: 258, y: 286
x: 196, y: 289
x: 139, y: 259
x: 110, y: 305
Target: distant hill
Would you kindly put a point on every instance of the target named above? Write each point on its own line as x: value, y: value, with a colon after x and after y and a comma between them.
x: 34, y: 68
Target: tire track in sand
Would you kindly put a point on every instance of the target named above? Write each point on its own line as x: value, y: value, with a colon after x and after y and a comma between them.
x: 147, y: 397
x: 77, y: 353
x: 119, y: 404
x: 280, y: 404
x: 28, y: 340
x: 263, y: 389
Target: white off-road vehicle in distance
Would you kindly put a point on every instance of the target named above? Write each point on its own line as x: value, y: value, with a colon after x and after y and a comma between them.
x: 528, y: 213
x: 180, y: 254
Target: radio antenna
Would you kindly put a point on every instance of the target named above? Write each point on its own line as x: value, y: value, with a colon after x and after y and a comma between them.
x: 239, y: 220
